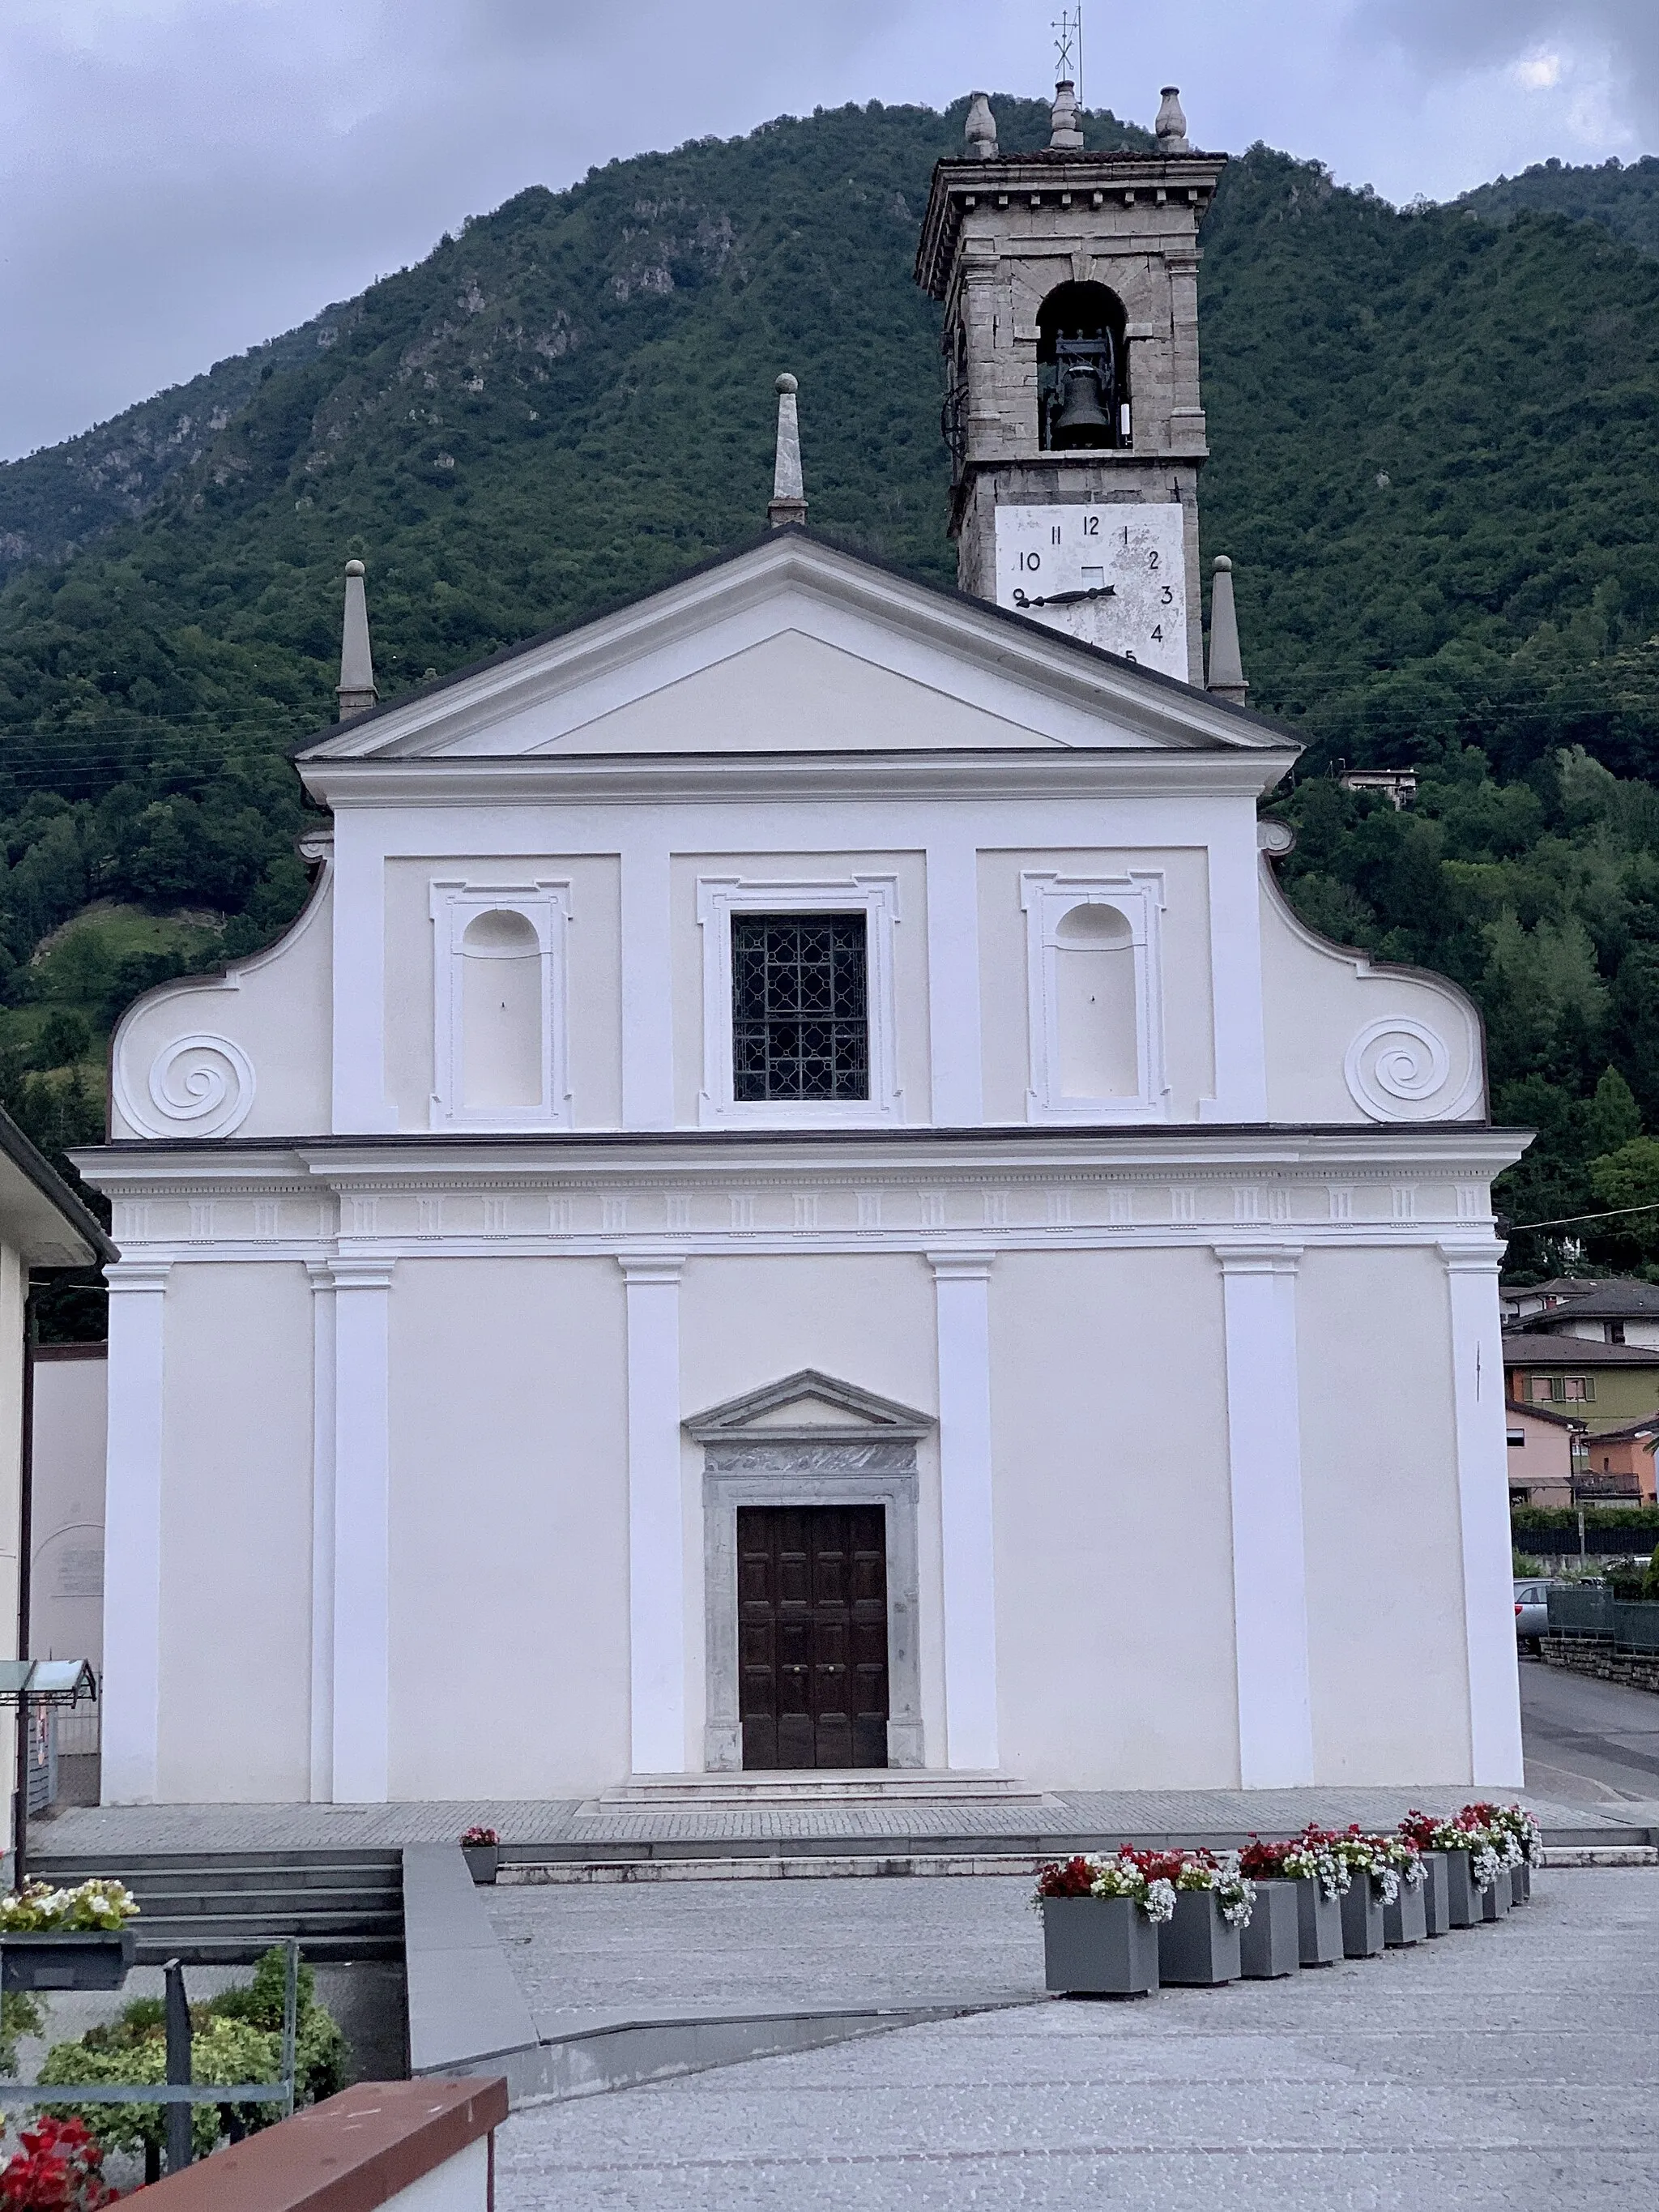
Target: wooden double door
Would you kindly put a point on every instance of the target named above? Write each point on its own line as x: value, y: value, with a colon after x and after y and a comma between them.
x: 812, y: 1635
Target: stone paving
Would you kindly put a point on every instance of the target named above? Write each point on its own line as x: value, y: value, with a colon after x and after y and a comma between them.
x: 595, y: 1830
x: 649, y: 1949
x: 1501, y: 2067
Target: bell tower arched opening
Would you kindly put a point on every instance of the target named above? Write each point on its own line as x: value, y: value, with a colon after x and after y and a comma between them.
x: 1083, y: 370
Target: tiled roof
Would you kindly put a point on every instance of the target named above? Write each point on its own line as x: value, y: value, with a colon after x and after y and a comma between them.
x: 1523, y: 1349
x: 1602, y: 1301
x: 1545, y: 1413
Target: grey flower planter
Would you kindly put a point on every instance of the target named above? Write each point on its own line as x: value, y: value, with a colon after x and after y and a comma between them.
x: 1319, y: 1924
x: 1495, y: 1901
x: 1406, y: 1920
x: 1437, y: 1898
x: 1463, y: 1898
x: 482, y: 1860
x: 1272, y: 1944
x: 1197, y: 1950
x: 68, y: 1959
x: 1362, y: 1919
x: 1521, y: 1884
x: 1101, y: 1947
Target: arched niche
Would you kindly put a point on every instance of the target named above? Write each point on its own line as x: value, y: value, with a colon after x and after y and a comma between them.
x: 1096, y: 1014
x: 1083, y: 369
x: 1095, y: 995
x: 502, y: 1043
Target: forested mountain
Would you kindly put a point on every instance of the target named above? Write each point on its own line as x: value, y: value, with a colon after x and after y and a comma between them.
x: 1435, y: 435
x: 1622, y: 197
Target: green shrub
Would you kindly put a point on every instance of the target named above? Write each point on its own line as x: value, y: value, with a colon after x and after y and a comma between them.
x: 236, y: 2036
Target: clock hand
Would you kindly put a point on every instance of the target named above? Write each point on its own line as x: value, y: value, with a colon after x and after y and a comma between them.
x: 1066, y: 598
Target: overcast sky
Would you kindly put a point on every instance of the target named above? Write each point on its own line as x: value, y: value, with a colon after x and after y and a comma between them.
x: 180, y: 178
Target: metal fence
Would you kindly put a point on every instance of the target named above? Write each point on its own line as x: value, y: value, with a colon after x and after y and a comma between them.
x: 1582, y: 1612
x: 1630, y: 1625
x: 1635, y: 1626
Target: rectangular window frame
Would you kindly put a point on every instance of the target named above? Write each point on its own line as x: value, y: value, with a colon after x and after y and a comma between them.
x: 455, y: 904
x: 1047, y: 897
x: 720, y: 899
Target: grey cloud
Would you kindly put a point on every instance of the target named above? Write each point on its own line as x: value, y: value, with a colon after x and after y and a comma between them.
x: 181, y: 179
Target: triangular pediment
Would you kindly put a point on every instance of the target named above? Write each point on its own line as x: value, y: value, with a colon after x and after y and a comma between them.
x: 793, y: 646
x: 808, y: 1404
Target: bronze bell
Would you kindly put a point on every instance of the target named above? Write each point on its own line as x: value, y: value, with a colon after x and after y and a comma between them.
x: 1082, y: 421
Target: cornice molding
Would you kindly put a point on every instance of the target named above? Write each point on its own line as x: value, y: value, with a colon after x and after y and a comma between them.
x: 1047, y: 772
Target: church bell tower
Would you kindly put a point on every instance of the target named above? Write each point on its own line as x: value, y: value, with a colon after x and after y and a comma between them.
x: 1069, y: 281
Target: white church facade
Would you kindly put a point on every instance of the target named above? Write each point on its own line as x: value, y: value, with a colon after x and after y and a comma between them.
x: 797, y: 1199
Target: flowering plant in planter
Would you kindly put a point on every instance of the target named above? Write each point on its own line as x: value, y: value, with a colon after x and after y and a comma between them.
x: 1511, y: 1829
x: 477, y: 1838
x: 1306, y: 1857
x: 1372, y: 1856
x: 1487, y: 1858
x: 1235, y: 1892
x: 38, y: 1908
x: 1121, y: 1876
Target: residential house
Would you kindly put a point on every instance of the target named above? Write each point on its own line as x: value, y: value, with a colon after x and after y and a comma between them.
x: 1604, y: 1385
x: 1543, y: 1444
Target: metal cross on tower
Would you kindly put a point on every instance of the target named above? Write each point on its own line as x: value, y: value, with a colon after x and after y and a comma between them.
x: 1069, y: 50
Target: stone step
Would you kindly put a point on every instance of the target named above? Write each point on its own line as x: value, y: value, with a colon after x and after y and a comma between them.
x: 854, y: 1786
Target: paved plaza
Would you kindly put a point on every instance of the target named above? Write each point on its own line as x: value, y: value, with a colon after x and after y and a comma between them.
x: 1504, y: 2066
x: 650, y: 1948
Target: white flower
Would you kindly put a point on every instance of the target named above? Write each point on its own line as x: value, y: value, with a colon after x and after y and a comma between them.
x: 1159, y: 1903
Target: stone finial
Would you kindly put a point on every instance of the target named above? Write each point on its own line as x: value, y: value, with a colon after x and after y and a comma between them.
x: 356, y: 686
x: 1227, y: 677
x: 789, y: 499
x: 1171, y: 125
x: 981, y: 129
x: 1065, y: 118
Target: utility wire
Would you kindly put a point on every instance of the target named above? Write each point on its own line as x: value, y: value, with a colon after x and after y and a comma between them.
x: 1567, y: 1220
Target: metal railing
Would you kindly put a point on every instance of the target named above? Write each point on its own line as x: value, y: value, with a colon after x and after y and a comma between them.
x: 179, y: 2092
x: 1582, y: 1612
x: 1629, y: 1624
x: 1635, y: 1625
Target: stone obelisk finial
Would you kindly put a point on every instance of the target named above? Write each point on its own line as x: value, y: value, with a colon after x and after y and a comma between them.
x: 980, y: 130
x: 789, y: 499
x: 1171, y: 127
x: 356, y: 686
x: 1066, y: 124
x: 1227, y: 677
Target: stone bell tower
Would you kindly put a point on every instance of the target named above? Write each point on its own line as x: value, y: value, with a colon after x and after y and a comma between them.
x: 1070, y: 286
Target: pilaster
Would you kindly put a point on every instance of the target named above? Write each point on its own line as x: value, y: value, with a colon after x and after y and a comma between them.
x: 1264, y: 1444
x: 962, y: 1305
x: 132, y: 1534
x: 362, y: 1471
x: 656, y: 1526
x: 323, y: 1418
x: 1477, y: 1354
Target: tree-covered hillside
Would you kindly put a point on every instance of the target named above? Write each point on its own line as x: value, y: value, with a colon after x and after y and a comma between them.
x: 1622, y: 197
x: 1435, y: 434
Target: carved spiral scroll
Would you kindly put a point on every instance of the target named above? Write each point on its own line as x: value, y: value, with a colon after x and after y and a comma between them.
x: 200, y: 1087
x: 1397, y: 1070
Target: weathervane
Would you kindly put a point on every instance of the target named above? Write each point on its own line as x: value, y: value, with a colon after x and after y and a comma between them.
x: 1069, y: 50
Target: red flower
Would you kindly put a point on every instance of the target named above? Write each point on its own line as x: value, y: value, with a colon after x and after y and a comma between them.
x: 57, y: 2170
x: 1075, y: 1879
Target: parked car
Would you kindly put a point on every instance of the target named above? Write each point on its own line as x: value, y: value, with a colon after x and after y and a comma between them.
x: 1532, y: 1611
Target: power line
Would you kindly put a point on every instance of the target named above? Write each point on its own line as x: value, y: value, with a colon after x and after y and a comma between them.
x: 1568, y: 1220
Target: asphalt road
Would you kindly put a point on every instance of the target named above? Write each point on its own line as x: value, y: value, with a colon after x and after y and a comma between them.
x: 1587, y: 1742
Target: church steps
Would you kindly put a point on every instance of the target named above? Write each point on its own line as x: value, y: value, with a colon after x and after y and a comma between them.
x: 229, y: 1908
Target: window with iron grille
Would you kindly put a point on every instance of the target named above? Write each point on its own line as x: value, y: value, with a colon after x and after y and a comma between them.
x: 800, y: 1014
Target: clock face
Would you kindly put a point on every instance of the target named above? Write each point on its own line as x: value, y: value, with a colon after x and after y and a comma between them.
x: 1119, y: 572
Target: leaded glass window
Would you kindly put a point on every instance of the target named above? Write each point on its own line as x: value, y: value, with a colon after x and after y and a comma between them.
x: 800, y: 1014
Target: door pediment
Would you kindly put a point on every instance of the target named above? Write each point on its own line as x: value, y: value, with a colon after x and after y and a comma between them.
x: 808, y: 1407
